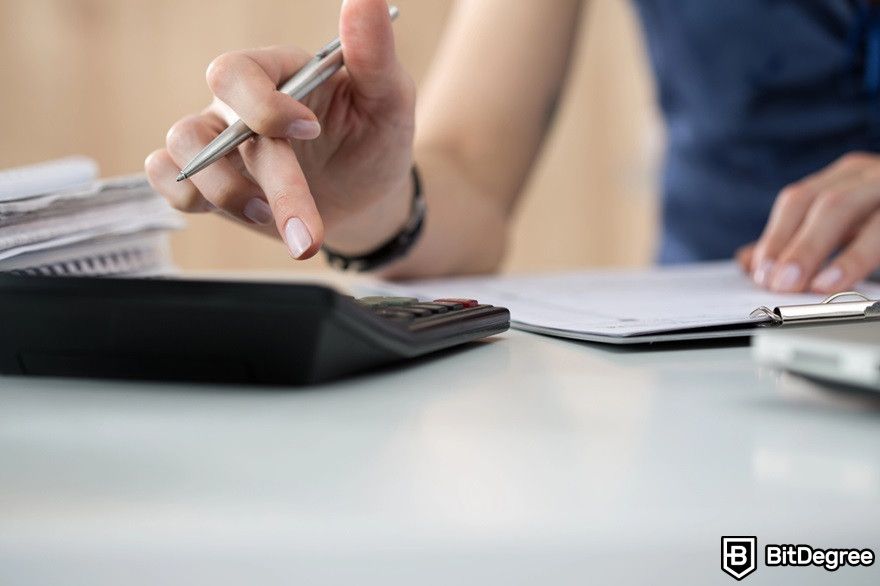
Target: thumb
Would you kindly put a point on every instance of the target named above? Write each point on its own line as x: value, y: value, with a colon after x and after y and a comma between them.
x: 368, y: 47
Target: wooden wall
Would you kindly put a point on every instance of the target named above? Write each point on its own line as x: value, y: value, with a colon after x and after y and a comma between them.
x: 106, y: 78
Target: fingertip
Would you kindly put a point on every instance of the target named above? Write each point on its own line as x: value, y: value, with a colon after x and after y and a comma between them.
x: 365, y: 22
x: 358, y: 8
x: 300, y: 225
x: 788, y: 276
x: 829, y: 280
x: 151, y: 162
x: 762, y: 272
x: 278, y: 115
x: 304, y: 129
x: 220, y: 72
x: 367, y: 38
x: 160, y: 169
x: 744, y: 257
x: 183, y: 130
x: 302, y: 241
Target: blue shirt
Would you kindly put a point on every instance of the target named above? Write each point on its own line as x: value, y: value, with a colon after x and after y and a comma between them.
x: 756, y: 94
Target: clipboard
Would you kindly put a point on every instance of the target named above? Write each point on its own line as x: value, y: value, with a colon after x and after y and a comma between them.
x: 832, y: 309
x: 645, y: 306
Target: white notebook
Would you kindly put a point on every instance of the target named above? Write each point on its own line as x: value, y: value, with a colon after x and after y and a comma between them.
x: 701, y: 301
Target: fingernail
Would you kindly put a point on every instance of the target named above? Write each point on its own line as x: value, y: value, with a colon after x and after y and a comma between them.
x: 787, y: 278
x: 762, y: 273
x: 828, y: 279
x: 297, y: 236
x: 304, y: 130
x: 258, y: 211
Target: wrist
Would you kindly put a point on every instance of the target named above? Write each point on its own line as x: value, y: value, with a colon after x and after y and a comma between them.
x: 363, y: 232
x: 395, y: 247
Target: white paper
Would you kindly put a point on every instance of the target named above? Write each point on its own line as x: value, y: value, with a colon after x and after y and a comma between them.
x: 51, y: 232
x: 143, y: 253
x: 32, y: 180
x: 619, y: 303
x: 56, y: 218
x: 93, y: 193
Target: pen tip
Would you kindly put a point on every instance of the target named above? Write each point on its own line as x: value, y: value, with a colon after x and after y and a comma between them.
x: 181, y: 177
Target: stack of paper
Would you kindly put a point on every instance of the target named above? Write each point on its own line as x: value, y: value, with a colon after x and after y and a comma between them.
x: 57, y: 219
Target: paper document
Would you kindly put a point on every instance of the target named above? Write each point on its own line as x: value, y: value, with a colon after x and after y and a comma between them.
x: 142, y: 253
x: 622, y: 306
x: 51, y: 176
x: 132, y: 216
x: 56, y: 218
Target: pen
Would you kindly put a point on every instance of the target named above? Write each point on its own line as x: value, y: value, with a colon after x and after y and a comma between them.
x: 318, y: 70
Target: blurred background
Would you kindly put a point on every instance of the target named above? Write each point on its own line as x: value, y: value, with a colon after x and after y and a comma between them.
x: 107, y: 78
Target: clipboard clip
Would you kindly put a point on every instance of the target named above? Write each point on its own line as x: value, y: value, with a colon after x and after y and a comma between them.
x: 834, y: 308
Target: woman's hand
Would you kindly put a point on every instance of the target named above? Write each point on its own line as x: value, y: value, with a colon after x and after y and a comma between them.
x: 338, y: 161
x: 824, y: 231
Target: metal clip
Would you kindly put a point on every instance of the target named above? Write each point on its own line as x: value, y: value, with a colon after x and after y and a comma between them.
x: 831, y: 308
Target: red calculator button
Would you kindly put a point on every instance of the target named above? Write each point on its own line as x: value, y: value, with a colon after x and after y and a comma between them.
x: 466, y: 303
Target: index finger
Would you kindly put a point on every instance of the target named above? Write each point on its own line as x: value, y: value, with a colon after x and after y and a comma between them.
x: 273, y: 164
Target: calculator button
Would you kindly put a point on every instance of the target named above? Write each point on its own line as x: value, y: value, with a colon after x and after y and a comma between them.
x: 432, y: 307
x: 372, y: 301
x: 450, y: 305
x: 415, y: 311
x: 387, y: 301
x: 465, y: 303
x: 396, y: 314
x: 398, y: 301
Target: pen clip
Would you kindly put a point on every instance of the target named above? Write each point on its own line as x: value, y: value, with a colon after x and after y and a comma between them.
x: 328, y: 48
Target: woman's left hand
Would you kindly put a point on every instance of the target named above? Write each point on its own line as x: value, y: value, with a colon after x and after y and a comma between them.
x: 823, y: 234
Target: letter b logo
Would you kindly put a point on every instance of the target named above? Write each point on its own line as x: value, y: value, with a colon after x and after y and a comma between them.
x: 739, y: 556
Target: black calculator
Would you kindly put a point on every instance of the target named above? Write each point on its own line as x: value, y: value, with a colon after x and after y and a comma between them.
x: 221, y: 331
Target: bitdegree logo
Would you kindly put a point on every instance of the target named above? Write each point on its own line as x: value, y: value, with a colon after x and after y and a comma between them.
x: 739, y: 555
x: 805, y: 555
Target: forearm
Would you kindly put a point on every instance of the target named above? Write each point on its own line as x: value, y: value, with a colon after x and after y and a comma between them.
x: 482, y: 117
x: 465, y: 228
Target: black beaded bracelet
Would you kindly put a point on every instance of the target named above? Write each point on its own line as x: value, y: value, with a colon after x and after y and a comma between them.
x: 395, y: 248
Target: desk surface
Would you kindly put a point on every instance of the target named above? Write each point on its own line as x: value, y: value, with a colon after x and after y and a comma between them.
x: 519, y: 461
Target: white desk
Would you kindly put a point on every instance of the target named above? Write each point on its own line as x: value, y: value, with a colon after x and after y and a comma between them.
x: 527, y: 460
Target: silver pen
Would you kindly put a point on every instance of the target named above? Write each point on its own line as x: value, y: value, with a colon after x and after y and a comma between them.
x: 318, y: 70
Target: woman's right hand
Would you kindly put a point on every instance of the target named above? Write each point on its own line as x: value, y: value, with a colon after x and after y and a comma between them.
x: 336, y: 164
